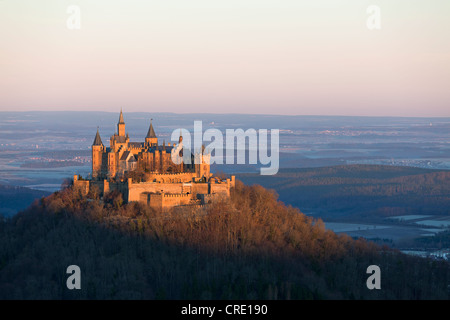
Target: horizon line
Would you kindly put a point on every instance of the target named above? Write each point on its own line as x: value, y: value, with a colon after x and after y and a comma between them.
x: 218, y: 113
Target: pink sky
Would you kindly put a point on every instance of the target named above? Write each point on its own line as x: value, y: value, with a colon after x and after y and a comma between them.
x: 247, y: 56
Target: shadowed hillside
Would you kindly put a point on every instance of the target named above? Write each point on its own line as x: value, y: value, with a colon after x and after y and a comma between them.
x: 248, y: 247
x: 14, y: 199
x: 360, y: 191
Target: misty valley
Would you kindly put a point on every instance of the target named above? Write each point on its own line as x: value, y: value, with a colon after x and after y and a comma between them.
x: 383, y: 179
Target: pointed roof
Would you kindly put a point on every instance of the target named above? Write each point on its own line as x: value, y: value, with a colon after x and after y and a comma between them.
x: 121, y: 117
x: 151, y: 131
x: 97, y: 140
x: 125, y: 155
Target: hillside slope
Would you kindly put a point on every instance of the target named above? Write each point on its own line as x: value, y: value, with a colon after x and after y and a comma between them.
x: 14, y: 199
x: 360, y: 191
x: 249, y: 247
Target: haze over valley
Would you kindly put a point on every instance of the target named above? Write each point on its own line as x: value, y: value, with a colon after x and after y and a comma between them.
x: 43, y: 150
x: 51, y: 146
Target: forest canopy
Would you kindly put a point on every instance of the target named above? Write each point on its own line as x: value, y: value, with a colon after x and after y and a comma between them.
x: 251, y: 246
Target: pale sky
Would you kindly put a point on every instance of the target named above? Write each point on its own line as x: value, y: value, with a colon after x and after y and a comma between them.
x: 300, y: 57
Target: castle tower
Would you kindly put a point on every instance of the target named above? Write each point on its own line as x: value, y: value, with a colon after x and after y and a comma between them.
x: 112, y: 164
x: 97, y: 151
x: 151, y: 140
x: 202, y: 164
x: 157, y: 161
x: 206, y: 160
x: 164, y: 163
x: 121, y: 125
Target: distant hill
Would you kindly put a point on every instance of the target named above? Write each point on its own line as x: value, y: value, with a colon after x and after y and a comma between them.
x: 14, y: 199
x: 360, y: 191
x: 51, y: 164
x: 248, y: 247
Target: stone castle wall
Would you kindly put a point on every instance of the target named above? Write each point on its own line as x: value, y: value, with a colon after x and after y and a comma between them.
x: 161, y: 195
x: 171, y: 177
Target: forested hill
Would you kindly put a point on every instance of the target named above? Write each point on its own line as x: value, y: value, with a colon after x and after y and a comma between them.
x: 248, y: 247
x: 360, y: 191
x: 14, y: 199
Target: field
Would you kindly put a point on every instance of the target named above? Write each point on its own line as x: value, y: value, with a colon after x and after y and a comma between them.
x: 382, y: 203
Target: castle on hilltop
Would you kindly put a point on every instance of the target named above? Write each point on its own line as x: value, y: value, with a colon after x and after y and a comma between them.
x: 145, y: 172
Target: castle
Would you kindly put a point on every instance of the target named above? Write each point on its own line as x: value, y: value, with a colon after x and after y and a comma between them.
x: 145, y: 172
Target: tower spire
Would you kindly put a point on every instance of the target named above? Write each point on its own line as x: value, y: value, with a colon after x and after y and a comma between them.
x: 121, y: 125
x: 97, y: 140
x: 121, y: 117
x: 151, y: 131
x: 151, y: 140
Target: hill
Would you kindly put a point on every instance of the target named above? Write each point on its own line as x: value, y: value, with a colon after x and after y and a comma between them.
x: 249, y: 247
x: 360, y: 191
x: 14, y: 199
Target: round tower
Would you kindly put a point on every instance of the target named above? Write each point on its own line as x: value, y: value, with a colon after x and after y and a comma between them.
x: 151, y: 140
x: 121, y: 125
x: 97, y: 151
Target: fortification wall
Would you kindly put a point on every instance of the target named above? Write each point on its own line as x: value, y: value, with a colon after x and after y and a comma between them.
x: 105, y: 186
x: 171, y: 177
x: 199, y: 188
x: 209, y: 198
x: 165, y: 201
x: 136, y: 189
x: 155, y: 200
x: 82, y: 185
x: 221, y: 188
x: 161, y: 195
x: 171, y: 200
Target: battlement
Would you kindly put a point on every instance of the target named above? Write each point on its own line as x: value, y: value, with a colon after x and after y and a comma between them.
x: 176, y: 195
x: 171, y: 174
